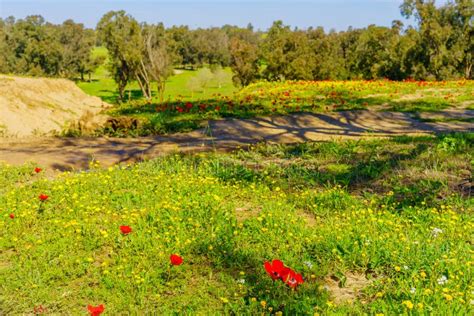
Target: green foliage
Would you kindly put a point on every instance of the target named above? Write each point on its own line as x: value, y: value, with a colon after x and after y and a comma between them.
x: 34, y: 47
x: 121, y: 35
x: 244, y: 61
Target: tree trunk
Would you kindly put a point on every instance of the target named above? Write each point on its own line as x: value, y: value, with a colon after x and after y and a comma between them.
x: 142, y: 86
x: 468, y: 71
x: 121, y: 92
x: 161, y: 90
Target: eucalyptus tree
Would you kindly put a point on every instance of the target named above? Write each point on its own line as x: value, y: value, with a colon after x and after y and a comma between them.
x: 121, y: 35
x: 158, y: 56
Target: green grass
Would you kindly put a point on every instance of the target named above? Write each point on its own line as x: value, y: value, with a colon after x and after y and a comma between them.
x: 390, y: 209
x: 104, y: 87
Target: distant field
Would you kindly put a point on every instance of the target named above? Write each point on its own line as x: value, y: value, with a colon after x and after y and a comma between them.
x: 183, y: 113
x: 177, y: 86
x: 374, y: 227
x: 404, y: 96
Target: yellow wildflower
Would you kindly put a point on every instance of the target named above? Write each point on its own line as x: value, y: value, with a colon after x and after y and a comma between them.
x: 224, y: 300
x: 448, y: 297
x: 408, y: 304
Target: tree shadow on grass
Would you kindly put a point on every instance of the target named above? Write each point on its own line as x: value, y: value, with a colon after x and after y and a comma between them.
x: 418, y: 106
x: 353, y: 171
x: 112, y: 96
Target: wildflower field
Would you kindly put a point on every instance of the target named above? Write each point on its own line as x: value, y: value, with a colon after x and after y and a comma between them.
x: 184, y: 113
x: 273, y: 230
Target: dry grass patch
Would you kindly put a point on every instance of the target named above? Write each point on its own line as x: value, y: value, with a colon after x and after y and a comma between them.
x: 247, y: 211
x: 348, y: 288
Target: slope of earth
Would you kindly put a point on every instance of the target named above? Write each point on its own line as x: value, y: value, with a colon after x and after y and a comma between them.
x: 39, y: 106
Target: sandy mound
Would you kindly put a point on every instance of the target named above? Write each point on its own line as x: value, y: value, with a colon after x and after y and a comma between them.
x: 39, y: 106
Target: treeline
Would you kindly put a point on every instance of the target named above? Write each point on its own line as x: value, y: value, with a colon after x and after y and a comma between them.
x: 34, y: 47
x: 440, y: 46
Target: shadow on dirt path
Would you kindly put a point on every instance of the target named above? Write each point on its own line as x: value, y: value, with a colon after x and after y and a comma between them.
x: 224, y: 135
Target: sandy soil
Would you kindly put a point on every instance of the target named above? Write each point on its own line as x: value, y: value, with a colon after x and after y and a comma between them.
x: 41, y: 106
x: 223, y: 135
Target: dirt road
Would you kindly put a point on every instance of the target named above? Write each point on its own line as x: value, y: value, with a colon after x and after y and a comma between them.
x: 75, y: 153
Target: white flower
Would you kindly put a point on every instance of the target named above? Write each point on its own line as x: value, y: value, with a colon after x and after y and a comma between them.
x: 472, y: 302
x: 406, y: 267
x: 241, y: 281
x: 413, y: 290
x: 442, y: 280
x: 309, y: 264
x: 436, y: 231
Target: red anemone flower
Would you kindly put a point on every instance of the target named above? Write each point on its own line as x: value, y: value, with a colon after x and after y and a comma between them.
x: 277, y: 270
x: 38, y: 170
x: 176, y: 260
x: 274, y: 269
x: 189, y: 105
x: 43, y: 197
x: 12, y: 216
x: 39, y: 309
x: 125, y: 230
x: 96, y: 310
x: 291, y: 278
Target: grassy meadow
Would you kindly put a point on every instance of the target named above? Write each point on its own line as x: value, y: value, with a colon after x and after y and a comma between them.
x: 392, y: 212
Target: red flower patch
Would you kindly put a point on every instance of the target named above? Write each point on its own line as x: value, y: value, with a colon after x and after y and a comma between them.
x: 96, y: 310
x: 39, y: 310
x: 176, y: 260
x: 277, y: 270
x: 291, y: 278
x: 38, y: 170
x: 43, y: 197
x: 12, y: 216
x: 274, y: 269
x: 125, y: 229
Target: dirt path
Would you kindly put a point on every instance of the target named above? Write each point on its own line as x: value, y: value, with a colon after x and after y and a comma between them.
x: 75, y: 153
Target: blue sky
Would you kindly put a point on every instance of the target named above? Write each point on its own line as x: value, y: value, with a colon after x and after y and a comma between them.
x: 336, y: 14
